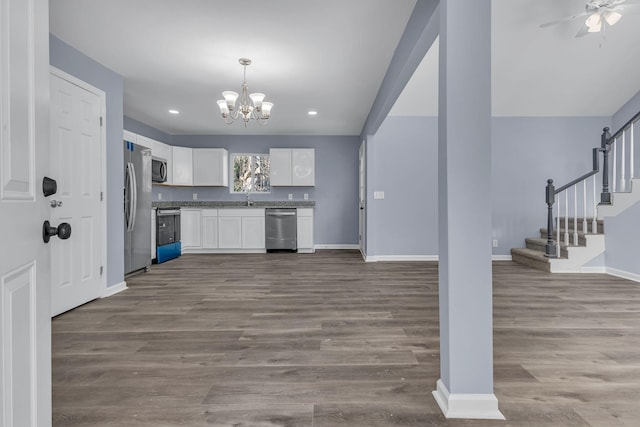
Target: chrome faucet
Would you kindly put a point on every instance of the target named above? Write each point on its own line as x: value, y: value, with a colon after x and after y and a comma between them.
x: 249, y: 201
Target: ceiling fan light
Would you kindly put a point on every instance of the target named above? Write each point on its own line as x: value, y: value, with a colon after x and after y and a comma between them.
x: 612, y: 17
x: 594, y: 21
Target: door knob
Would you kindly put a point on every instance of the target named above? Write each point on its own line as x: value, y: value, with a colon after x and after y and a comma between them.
x: 63, y: 231
x: 56, y: 203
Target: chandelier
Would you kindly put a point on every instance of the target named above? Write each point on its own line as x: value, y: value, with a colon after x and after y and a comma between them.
x: 250, y: 106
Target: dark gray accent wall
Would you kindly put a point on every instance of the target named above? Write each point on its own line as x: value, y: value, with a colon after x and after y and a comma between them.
x: 71, y: 61
x: 335, y: 192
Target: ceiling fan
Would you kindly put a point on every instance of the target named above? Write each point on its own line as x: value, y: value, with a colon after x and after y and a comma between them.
x: 598, y: 13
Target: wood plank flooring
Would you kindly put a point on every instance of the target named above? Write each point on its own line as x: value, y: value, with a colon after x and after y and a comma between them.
x: 328, y: 340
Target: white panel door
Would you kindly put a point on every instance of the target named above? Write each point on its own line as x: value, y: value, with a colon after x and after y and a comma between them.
x: 190, y: 228
x: 305, y: 229
x: 76, y: 162
x: 280, y: 166
x: 303, y: 167
x: 25, y: 294
x: 210, y: 228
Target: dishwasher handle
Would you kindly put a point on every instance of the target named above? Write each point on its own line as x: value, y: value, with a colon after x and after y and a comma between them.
x: 281, y: 213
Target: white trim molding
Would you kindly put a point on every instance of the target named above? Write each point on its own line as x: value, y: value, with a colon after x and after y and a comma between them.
x: 401, y: 258
x: 354, y: 247
x: 623, y: 274
x: 501, y: 258
x: 474, y: 406
x: 115, y: 289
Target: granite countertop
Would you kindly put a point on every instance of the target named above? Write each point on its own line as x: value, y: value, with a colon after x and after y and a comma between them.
x: 236, y: 204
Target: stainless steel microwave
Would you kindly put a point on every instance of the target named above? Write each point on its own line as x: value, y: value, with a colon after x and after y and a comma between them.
x: 158, y: 170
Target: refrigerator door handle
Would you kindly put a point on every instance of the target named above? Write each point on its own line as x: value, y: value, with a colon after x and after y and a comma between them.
x: 131, y: 200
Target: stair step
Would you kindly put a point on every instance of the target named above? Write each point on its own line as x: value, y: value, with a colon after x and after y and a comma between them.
x: 599, y: 222
x: 582, y: 240
x: 540, y: 244
x: 531, y: 258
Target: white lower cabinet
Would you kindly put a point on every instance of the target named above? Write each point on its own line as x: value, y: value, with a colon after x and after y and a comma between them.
x: 305, y: 230
x: 229, y: 231
x: 190, y: 229
x: 209, y: 228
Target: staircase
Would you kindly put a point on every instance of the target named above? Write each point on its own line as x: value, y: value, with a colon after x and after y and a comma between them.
x: 575, y: 212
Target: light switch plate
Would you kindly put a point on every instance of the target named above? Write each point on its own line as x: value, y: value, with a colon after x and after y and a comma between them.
x: 195, y: 196
x: 379, y: 195
x: 290, y: 196
x: 495, y: 243
x: 306, y: 196
x: 159, y: 196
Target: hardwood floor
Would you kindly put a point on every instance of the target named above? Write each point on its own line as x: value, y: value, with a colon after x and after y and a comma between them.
x: 328, y: 340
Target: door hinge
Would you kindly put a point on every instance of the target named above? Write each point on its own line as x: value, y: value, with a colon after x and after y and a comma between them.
x: 100, y: 120
x: 101, y: 196
x: 101, y: 270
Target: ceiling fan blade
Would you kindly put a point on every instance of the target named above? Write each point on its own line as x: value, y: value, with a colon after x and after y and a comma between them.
x: 583, y: 31
x: 560, y: 21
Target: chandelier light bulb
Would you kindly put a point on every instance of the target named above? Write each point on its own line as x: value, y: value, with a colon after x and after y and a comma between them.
x: 594, y: 22
x: 612, y: 17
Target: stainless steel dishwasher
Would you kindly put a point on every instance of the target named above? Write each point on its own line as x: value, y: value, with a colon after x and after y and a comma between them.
x: 281, y: 229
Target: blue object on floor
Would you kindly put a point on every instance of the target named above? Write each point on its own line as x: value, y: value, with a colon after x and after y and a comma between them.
x: 167, y: 252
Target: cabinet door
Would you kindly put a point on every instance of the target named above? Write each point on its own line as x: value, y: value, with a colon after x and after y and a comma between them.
x: 280, y: 166
x: 303, y: 167
x: 229, y: 232
x: 182, y: 166
x: 253, y: 232
x: 210, y: 228
x: 210, y: 167
x: 190, y: 228
x: 130, y: 136
x: 305, y: 232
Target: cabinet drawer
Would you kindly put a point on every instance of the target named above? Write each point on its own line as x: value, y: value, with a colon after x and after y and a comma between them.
x: 241, y: 212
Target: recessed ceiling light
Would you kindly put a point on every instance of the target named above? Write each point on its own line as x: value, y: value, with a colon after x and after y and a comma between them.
x: 174, y: 112
x: 312, y: 113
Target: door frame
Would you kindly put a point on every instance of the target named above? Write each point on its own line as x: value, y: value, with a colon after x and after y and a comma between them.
x: 362, y: 203
x: 103, y: 164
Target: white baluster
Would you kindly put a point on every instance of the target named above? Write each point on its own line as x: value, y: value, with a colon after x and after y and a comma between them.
x: 584, y: 206
x: 614, y: 175
x: 623, y: 182
x: 575, y: 215
x: 566, y: 217
x: 558, y: 226
x: 594, y: 216
x: 632, y: 172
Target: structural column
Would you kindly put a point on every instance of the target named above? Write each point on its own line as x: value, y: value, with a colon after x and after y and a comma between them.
x: 465, y: 387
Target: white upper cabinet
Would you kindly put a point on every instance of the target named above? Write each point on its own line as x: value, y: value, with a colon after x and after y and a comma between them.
x: 130, y: 136
x: 292, y: 167
x: 303, y: 162
x: 210, y: 167
x: 182, y: 166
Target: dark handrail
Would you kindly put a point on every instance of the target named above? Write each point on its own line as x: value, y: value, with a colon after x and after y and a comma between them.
x: 622, y: 129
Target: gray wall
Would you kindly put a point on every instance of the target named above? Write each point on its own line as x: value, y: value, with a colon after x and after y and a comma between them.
x: 526, y: 151
x: 402, y: 162
x: 622, y: 233
x: 335, y: 192
x: 73, y: 62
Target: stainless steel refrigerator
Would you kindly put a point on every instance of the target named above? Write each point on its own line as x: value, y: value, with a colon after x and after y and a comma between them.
x: 137, y: 207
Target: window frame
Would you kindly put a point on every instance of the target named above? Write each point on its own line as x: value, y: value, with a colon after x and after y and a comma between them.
x: 253, y: 175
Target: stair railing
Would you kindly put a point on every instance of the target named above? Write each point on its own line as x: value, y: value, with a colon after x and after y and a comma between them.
x: 623, y: 166
x: 623, y: 170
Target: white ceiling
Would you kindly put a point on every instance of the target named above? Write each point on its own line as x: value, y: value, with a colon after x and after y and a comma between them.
x: 331, y: 56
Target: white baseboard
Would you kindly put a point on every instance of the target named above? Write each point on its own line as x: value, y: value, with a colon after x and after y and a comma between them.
x: 593, y: 269
x: 338, y: 246
x: 400, y: 258
x: 474, y: 406
x: 112, y: 290
x: 501, y: 258
x: 623, y: 274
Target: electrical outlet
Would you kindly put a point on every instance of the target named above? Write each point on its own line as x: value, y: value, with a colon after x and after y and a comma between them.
x: 290, y: 196
x: 195, y: 196
x: 495, y: 243
x: 306, y: 196
x: 159, y: 196
x: 379, y: 195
